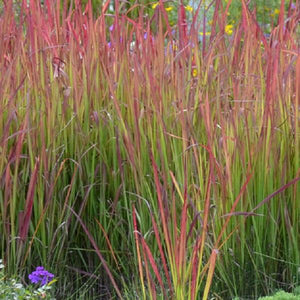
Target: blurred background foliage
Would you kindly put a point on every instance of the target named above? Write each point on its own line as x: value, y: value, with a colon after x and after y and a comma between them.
x: 266, y: 11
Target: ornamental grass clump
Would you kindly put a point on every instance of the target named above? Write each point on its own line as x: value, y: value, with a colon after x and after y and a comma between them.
x: 143, y: 160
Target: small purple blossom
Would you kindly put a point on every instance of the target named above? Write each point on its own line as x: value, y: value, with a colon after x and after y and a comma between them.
x: 40, y: 275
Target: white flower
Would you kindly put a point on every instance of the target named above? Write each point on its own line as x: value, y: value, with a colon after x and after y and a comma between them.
x: 1, y: 264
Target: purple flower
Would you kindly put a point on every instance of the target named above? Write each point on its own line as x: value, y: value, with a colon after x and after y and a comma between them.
x: 40, y: 275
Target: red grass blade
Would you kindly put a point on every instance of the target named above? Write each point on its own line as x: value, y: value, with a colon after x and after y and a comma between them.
x: 153, y: 264
x: 182, y: 238
x: 233, y: 208
x: 108, y: 243
x: 26, y: 215
x: 160, y: 201
x: 161, y: 251
x: 275, y: 193
x: 136, y: 235
x: 212, y: 264
x: 182, y: 27
x: 98, y: 253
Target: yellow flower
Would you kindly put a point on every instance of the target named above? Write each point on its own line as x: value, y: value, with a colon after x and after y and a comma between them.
x: 195, y: 72
x: 154, y: 5
x: 228, y: 29
x: 206, y: 33
x: 189, y: 8
x: 169, y: 8
x: 210, y: 22
x: 275, y: 12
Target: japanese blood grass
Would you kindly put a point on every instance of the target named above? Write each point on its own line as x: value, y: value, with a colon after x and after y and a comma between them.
x: 149, y: 169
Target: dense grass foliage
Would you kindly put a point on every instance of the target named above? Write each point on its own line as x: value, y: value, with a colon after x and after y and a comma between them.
x: 137, y: 162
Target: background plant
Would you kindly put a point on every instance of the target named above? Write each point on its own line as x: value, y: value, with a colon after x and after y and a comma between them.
x: 11, y: 289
